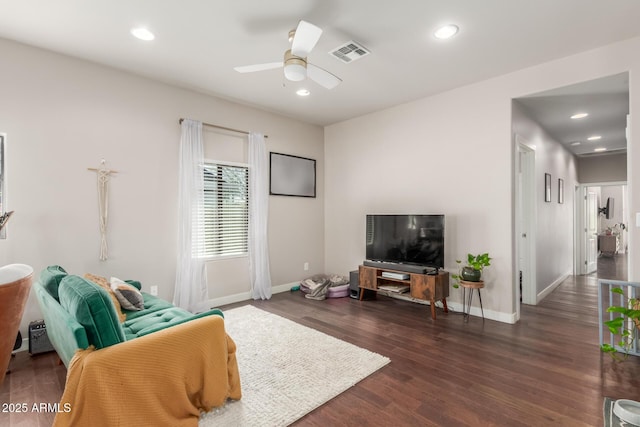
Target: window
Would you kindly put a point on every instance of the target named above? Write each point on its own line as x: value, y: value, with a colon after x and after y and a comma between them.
x: 226, y: 207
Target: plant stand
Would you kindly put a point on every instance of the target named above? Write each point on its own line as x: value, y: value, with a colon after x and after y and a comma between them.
x: 466, y: 300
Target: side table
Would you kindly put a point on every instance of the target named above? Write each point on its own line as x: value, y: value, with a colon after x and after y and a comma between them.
x: 466, y: 301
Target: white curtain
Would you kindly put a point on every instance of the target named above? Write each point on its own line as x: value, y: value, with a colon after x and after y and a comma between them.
x: 258, y: 216
x: 191, y: 291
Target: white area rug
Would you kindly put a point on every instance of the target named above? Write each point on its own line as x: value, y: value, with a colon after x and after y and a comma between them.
x: 286, y: 369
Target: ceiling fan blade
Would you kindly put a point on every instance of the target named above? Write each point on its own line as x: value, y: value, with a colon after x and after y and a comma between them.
x: 306, y: 37
x: 259, y: 67
x: 322, y: 77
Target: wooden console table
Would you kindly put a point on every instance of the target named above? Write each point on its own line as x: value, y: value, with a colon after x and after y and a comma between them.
x: 427, y: 287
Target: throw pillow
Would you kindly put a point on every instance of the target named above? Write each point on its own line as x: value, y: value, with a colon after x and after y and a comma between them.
x: 104, y: 283
x: 129, y: 296
x: 92, y: 307
x: 51, y: 278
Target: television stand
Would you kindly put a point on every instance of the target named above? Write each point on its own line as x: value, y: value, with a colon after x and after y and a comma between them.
x: 429, y: 287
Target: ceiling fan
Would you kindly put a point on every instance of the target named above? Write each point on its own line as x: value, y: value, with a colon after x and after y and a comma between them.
x: 296, y: 68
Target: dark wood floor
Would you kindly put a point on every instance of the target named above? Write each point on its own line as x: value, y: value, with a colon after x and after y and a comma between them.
x: 546, y: 370
x: 612, y: 267
x: 33, y: 380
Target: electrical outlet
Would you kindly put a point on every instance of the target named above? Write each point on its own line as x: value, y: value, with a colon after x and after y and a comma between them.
x: 154, y: 290
x: 306, y: 266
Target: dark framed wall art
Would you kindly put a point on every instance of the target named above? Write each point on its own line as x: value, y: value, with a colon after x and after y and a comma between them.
x: 547, y: 187
x: 560, y: 190
x: 291, y: 175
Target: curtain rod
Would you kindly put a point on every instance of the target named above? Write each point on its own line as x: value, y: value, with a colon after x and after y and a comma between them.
x: 223, y: 128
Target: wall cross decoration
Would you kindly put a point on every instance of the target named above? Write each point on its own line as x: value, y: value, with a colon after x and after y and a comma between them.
x: 104, y: 175
x: 4, y: 218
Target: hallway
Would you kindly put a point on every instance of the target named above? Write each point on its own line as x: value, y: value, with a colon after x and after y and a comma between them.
x: 572, y: 308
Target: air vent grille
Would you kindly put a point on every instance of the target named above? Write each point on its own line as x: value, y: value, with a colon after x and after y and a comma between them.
x: 350, y: 52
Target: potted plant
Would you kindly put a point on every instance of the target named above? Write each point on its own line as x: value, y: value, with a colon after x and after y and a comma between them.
x: 625, y: 326
x: 472, y: 272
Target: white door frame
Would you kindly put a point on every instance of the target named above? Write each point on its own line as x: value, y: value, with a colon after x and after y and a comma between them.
x: 579, y: 232
x: 592, y: 224
x: 525, y: 224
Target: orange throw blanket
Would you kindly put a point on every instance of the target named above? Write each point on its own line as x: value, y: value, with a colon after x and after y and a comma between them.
x: 162, y: 379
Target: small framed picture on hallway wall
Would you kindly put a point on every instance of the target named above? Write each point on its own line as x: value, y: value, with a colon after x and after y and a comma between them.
x: 547, y: 187
x: 560, y: 190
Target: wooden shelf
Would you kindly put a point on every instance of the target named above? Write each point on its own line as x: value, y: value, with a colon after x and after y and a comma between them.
x: 427, y: 287
x: 391, y: 279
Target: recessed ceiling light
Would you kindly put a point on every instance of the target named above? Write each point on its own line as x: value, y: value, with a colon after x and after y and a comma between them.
x: 303, y: 92
x: 579, y: 116
x: 446, y: 31
x: 594, y: 138
x: 598, y: 150
x: 142, y: 34
x: 575, y: 143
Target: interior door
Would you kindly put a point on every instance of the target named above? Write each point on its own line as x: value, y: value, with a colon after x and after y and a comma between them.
x: 525, y: 224
x: 591, y: 231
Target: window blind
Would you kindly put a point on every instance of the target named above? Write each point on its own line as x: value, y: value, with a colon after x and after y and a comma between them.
x: 226, y: 210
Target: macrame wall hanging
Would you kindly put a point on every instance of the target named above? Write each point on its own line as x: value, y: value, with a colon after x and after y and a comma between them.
x: 104, y: 175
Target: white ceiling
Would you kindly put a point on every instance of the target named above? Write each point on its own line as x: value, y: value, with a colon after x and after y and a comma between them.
x: 198, y: 42
x: 606, y: 100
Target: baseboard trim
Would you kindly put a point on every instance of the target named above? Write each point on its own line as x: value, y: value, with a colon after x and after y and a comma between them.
x: 457, y: 307
x: 246, y: 296
x: 475, y: 311
x: 545, y: 292
x: 24, y: 346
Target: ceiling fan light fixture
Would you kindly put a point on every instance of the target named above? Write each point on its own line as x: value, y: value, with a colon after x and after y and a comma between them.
x: 446, y: 31
x: 295, y: 68
x: 295, y: 72
x: 295, y: 65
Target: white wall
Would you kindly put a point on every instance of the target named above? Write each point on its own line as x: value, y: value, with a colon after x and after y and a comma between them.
x: 63, y: 115
x: 429, y: 156
x: 605, y: 168
x: 554, y: 221
x: 452, y: 153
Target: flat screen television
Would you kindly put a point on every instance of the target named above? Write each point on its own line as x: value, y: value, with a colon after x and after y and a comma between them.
x: 607, y: 210
x: 406, y: 239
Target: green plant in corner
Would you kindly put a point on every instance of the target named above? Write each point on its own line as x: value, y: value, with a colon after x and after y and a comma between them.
x: 472, y: 271
x: 624, y: 326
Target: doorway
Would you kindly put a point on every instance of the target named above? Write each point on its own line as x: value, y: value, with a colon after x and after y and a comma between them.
x: 604, y: 236
x: 570, y: 151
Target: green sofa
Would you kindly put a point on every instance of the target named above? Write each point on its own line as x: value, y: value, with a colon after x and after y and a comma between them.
x: 78, y: 313
x: 158, y: 366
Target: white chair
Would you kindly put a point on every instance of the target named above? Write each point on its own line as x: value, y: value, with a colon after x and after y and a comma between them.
x: 15, y: 283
